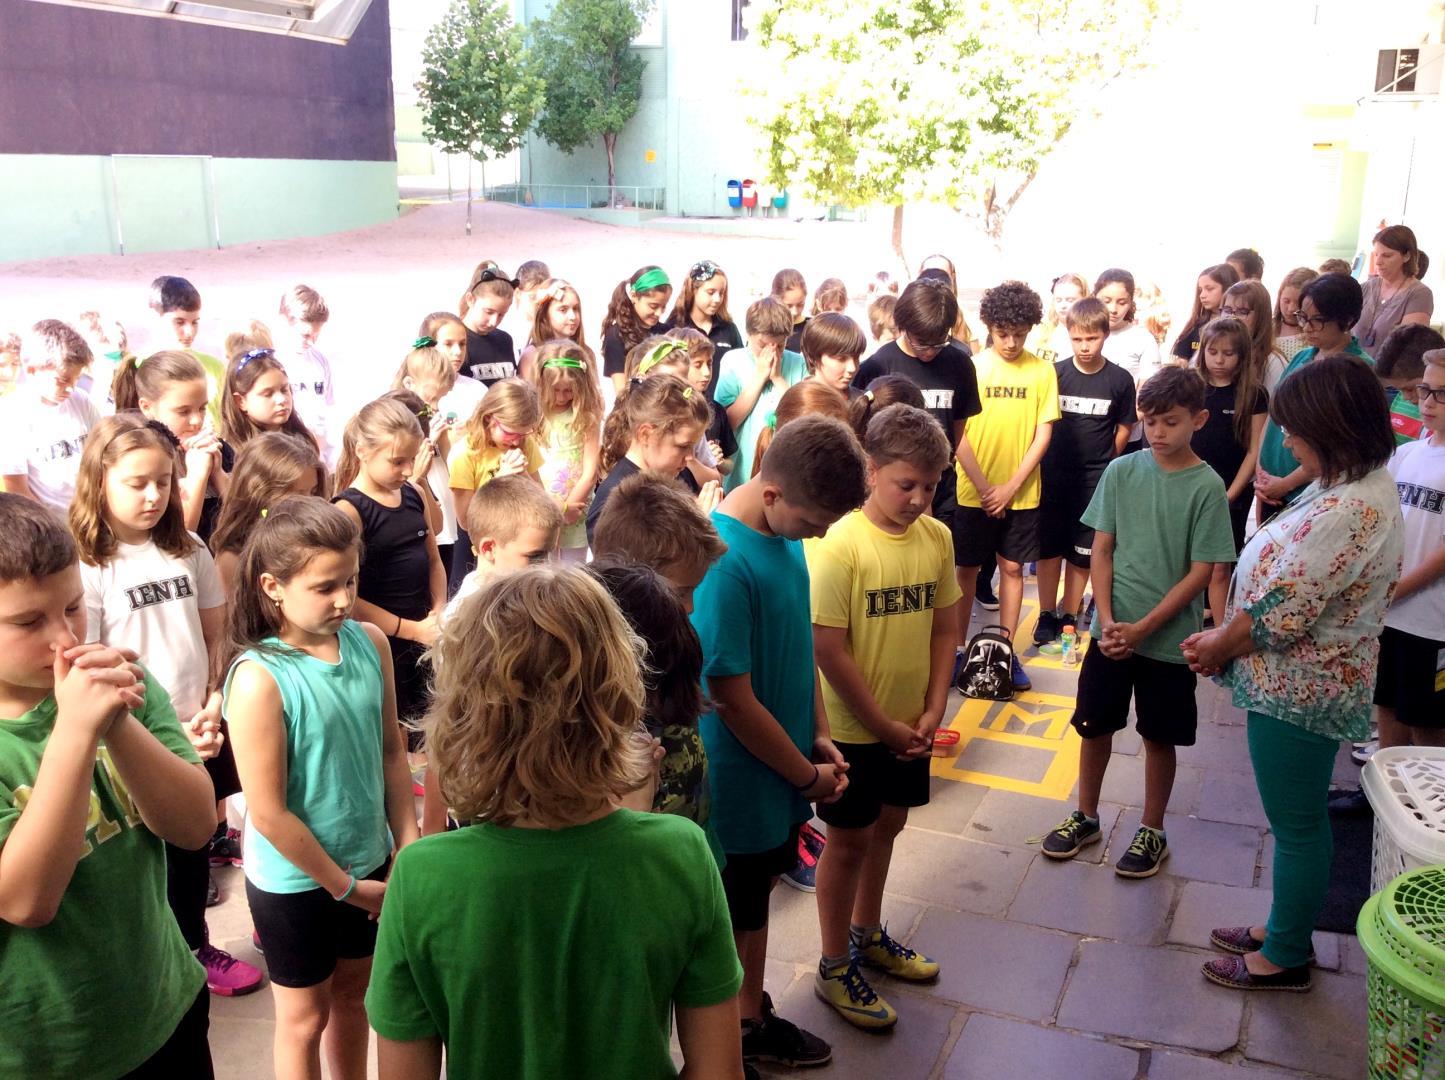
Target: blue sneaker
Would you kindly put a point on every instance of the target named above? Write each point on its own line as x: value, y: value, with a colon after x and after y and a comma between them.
x: 1021, y: 681
x: 804, y: 875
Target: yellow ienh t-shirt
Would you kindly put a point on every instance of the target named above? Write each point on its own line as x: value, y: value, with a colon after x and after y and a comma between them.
x: 1017, y: 397
x: 883, y: 589
x: 471, y: 468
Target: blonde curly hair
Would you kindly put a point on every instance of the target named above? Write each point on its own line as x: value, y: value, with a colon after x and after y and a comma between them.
x: 538, y: 701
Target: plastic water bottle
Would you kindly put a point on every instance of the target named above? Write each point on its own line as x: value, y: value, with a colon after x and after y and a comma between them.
x: 1068, y: 641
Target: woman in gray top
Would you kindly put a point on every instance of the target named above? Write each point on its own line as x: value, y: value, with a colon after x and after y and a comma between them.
x: 1395, y: 296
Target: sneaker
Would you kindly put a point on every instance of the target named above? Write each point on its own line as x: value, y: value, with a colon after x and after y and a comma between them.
x: 751, y: 1073
x: 1348, y: 802
x: 1374, y: 737
x: 781, y: 1042
x: 1361, y: 754
x: 226, y: 847
x: 225, y: 975
x: 213, y: 891
x: 1145, y: 855
x: 845, y: 988
x: 984, y: 597
x: 1047, y: 629
x: 804, y: 874
x: 1020, y: 680
x: 1086, y: 620
x: 1068, y: 839
x: 256, y: 942
x: 882, y: 952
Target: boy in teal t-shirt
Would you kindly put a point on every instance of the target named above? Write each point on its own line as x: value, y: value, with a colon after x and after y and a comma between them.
x: 1161, y: 522
x: 768, y: 749
x: 97, y: 978
x: 750, y: 381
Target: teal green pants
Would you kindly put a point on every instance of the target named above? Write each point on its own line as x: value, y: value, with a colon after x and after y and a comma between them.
x: 1292, y: 768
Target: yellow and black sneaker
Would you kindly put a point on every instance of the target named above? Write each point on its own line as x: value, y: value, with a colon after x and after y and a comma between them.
x: 880, y: 951
x: 844, y: 987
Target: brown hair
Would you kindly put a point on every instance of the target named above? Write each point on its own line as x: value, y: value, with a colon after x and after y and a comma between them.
x: 111, y: 440
x: 698, y: 343
x: 302, y: 303
x: 1296, y: 279
x: 532, y: 273
x: 63, y: 344
x: 682, y: 309
x: 807, y: 398
x: 831, y: 295
x: 1117, y: 276
x: 1089, y: 316
x: 538, y: 701
x: 786, y: 279
x: 266, y: 469
x: 1435, y: 358
x: 1335, y: 266
x: 556, y: 362
x: 553, y: 290
x: 137, y: 379
x: 436, y: 320
x: 511, y: 401
x: 501, y: 509
x: 657, y: 522
x: 1223, y: 275
x: 816, y: 461
x: 241, y: 374
x: 374, y: 424
x: 1171, y: 387
x: 34, y: 542
x: 1329, y: 396
x: 903, y: 433
x: 1247, y: 380
x: 257, y: 335
x: 620, y: 312
x: 425, y: 362
x: 926, y: 311
x: 1261, y: 345
x: 880, y: 315
x: 883, y: 391
x: 769, y: 318
x: 1403, y: 354
x: 664, y: 401
x: 831, y: 333
x: 488, y: 279
x: 960, y: 329
x: 1401, y: 238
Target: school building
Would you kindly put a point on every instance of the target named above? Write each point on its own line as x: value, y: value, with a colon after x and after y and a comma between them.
x: 151, y: 125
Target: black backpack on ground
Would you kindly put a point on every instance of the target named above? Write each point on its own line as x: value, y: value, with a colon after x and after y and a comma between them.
x: 987, y: 668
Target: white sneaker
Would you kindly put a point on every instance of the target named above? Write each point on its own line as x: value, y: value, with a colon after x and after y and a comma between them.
x: 1362, y: 752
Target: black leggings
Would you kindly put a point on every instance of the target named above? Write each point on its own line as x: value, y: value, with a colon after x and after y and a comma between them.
x: 187, y: 1053
x: 187, y: 875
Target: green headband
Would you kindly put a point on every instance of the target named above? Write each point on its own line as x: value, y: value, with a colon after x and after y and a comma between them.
x: 565, y: 362
x: 657, y: 355
x: 772, y: 421
x: 655, y: 278
x: 424, y: 342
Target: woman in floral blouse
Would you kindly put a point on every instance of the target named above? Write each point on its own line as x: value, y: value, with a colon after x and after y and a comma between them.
x: 1299, y: 645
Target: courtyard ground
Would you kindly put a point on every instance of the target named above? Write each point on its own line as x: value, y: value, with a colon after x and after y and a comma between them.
x: 1051, y: 971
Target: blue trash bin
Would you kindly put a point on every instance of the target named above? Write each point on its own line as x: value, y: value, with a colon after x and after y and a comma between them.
x: 735, y: 194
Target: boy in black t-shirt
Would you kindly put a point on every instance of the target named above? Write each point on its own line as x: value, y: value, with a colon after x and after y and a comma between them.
x: 924, y: 354
x: 1096, y: 403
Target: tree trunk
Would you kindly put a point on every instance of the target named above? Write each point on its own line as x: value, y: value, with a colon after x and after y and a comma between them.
x: 469, y: 195
x: 898, y: 240
x: 609, y: 140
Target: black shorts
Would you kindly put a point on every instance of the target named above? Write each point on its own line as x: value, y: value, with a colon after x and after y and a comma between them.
x: 748, y: 881
x: 188, y: 1050
x: 1061, y: 533
x: 876, y: 778
x: 977, y: 537
x: 1163, y: 694
x: 1411, y: 680
x: 222, y: 769
x: 304, y: 934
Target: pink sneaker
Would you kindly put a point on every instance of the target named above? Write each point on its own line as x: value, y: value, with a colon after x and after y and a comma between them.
x: 225, y: 849
x: 227, y: 976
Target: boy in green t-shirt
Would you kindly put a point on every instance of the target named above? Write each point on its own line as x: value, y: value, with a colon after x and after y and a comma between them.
x: 95, y: 773
x: 885, y: 605
x: 1161, y: 522
x: 177, y: 304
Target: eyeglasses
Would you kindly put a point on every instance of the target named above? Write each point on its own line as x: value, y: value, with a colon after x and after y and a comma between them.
x: 1436, y: 392
x: 927, y: 346
x: 704, y: 271
x: 1236, y: 312
x: 1312, y: 322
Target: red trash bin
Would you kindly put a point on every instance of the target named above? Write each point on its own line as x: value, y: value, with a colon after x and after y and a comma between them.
x: 750, y: 194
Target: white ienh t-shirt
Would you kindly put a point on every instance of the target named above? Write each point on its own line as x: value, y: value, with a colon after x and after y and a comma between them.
x: 149, y: 601
x: 1419, y: 472
x: 43, y: 443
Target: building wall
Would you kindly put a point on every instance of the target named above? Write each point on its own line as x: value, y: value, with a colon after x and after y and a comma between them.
x: 167, y: 135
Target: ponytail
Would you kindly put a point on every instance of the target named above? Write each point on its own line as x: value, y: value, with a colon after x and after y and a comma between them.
x: 664, y: 401
x: 137, y: 379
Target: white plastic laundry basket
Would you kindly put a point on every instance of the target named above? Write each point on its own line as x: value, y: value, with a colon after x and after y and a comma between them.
x: 1406, y: 789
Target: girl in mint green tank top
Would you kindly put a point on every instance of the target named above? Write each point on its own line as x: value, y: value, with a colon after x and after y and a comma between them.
x: 311, y: 705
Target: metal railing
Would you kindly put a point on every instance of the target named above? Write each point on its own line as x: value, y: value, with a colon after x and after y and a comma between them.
x: 578, y: 196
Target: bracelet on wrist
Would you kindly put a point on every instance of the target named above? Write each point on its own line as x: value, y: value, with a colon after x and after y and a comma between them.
x: 804, y: 787
x: 350, y: 887
x: 398, y: 627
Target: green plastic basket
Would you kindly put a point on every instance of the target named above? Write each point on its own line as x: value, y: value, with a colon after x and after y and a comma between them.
x: 1402, y: 932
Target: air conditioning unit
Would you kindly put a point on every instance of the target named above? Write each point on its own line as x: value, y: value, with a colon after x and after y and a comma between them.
x: 1409, y: 73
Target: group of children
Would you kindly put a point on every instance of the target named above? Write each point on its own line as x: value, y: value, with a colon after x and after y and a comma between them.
x: 209, y: 586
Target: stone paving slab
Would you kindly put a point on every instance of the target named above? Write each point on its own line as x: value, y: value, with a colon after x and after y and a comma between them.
x: 1168, y: 1065
x: 1204, y: 906
x: 1086, y: 899
x: 793, y: 923
x: 1199, y: 850
x: 1124, y: 784
x: 1150, y: 993
x: 1231, y: 796
x: 951, y: 806
x: 953, y: 873
x: 1218, y: 746
x: 991, y: 964
x: 1012, y: 819
x: 999, y: 1049
x: 1323, y: 1031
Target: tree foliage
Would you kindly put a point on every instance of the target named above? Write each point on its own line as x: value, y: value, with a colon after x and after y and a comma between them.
x: 933, y: 100
x: 593, y: 77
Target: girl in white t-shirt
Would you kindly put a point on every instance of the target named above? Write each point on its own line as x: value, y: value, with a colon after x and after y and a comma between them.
x: 1129, y: 345
x: 450, y: 335
x: 428, y: 374
x: 151, y: 586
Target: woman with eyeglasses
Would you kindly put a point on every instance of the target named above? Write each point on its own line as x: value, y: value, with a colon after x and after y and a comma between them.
x: 1329, y: 306
x: 1299, y: 646
x: 1395, y: 296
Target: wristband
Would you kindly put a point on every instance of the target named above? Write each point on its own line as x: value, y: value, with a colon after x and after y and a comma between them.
x: 350, y: 886
x: 804, y: 787
x: 398, y: 627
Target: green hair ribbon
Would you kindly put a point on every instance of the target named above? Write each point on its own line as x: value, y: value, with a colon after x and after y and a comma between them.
x: 657, y: 355
x: 656, y: 278
x: 115, y: 355
x: 424, y: 342
x: 772, y: 421
x: 136, y: 361
x: 565, y: 362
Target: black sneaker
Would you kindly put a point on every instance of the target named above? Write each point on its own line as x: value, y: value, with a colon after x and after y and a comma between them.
x: 213, y: 891
x: 984, y: 596
x: 1145, y: 855
x: 1047, y: 628
x: 781, y: 1042
x: 1068, y: 839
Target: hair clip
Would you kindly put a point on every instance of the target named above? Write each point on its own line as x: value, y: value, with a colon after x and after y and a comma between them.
x: 264, y: 512
x: 135, y: 361
x: 687, y: 394
x: 657, y: 354
x: 425, y: 413
x: 252, y: 354
x: 164, y: 432
x: 772, y: 421
x: 656, y: 278
x: 868, y: 394
x: 565, y: 362
x: 424, y: 342
x: 705, y: 270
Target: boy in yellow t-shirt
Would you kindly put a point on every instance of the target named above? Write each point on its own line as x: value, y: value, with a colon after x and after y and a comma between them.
x: 884, y: 605
x: 999, y: 457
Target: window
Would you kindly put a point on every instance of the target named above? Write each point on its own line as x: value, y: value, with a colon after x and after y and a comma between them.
x: 740, y: 29
x: 319, y: 20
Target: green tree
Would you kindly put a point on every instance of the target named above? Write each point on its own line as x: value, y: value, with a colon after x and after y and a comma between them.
x: 477, y: 86
x: 933, y: 100
x: 593, y: 77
